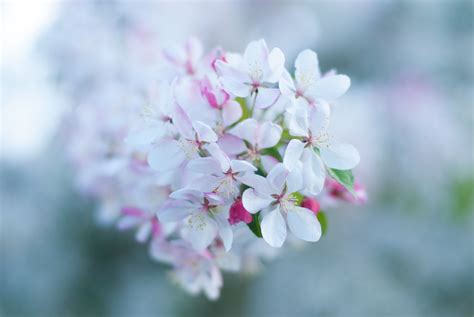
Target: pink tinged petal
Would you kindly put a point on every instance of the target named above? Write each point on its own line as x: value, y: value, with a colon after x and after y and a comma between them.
x: 204, y: 165
x: 254, y: 202
x: 266, y: 97
x: 306, y: 69
x: 182, y: 122
x: 143, y: 232
x: 143, y: 135
x: 314, y: 172
x: 274, y: 228
x: 293, y: 153
x: 238, y: 166
x: 231, y: 113
x: 268, y: 135
x: 304, y: 224
x: 340, y: 156
x: 133, y: 211
x: 166, y: 155
x: 200, y: 230
x: 204, y: 132
x: 155, y: 227
x: 175, y: 211
x: 231, y: 144
x: 219, y: 156
x: 225, y: 232
x: 277, y: 177
x: 246, y: 130
x: 276, y: 61
x: 205, y: 183
x: 214, y: 199
x: 235, y: 87
x: 330, y: 88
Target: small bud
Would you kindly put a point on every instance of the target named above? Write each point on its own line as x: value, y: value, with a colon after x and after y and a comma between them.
x: 312, y: 204
x: 238, y: 213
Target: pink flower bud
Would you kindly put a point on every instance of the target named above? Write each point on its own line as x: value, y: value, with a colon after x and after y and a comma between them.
x: 238, y: 213
x: 312, y: 204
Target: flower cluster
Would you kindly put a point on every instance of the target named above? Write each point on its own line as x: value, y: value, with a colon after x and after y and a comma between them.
x: 228, y: 153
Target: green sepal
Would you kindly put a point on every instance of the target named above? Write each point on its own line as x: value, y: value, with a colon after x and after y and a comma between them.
x: 254, y: 226
x: 345, y: 178
x: 323, y: 221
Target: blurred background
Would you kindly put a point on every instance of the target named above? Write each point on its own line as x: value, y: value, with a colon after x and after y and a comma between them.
x: 408, y: 252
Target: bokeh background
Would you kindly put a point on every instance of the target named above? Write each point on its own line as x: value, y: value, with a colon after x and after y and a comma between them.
x: 408, y: 252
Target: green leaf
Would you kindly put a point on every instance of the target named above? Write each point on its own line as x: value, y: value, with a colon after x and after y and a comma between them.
x: 323, y: 221
x: 345, y: 178
x: 272, y: 151
x: 254, y: 226
x: 245, y: 109
x: 298, y: 198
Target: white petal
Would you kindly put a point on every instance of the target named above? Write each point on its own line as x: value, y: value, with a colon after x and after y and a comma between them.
x: 246, y: 130
x: 219, y: 156
x: 231, y: 144
x: 274, y: 228
x: 286, y: 84
x: 258, y: 182
x: 242, y: 166
x: 204, y: 132
x: 204, y: 165
x: 200, y: 230
x: 235, y: 87
x: 266, y: 97
x: 340, y: 156
x: 298, y: 118
x: 268, y: 135
x: 166, y: 155
x: 144, y: 134
x: 182, y: 122
x: 255, y: 202
x: 319, y: 117
x: 330, y: 88
x: 276, y: 61
x: 304, y: 224
x: 175, y: 211
x: 225, y: 232
x: 314, y: 173
x: 306, y: 68
x: 294, y: 181
x: 187, y: 194
x: 293, y: 153
x: 231, y: 112
x: 277, y: 178
x: 255, y: 57
x: 143, y: 232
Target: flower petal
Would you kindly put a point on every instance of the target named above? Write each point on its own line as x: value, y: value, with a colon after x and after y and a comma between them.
x: 306, y: 69
x: 304, y: 224
x: 266, y: 97
x: 276, y: 61
x: 254, y: 202
x: 231, y: 113
x: 293, y: 153
x: 246, y: 130
x: 204, y: 132
x: 175, y: 210
x: 277, y: 178
x: 200, y: 230
x: 268, y: 135
x: 225, y: 232
x: 340, y: 156
x: 235, y: 87
x: 238, y: 166
x: 182, y: 122
x: 330, y: 88
x: 219, y: 156
x: 167, y: 155
x: 204, y: 165
x: 144, y: 135
x: 274, y: 228
x: 314, y: 173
